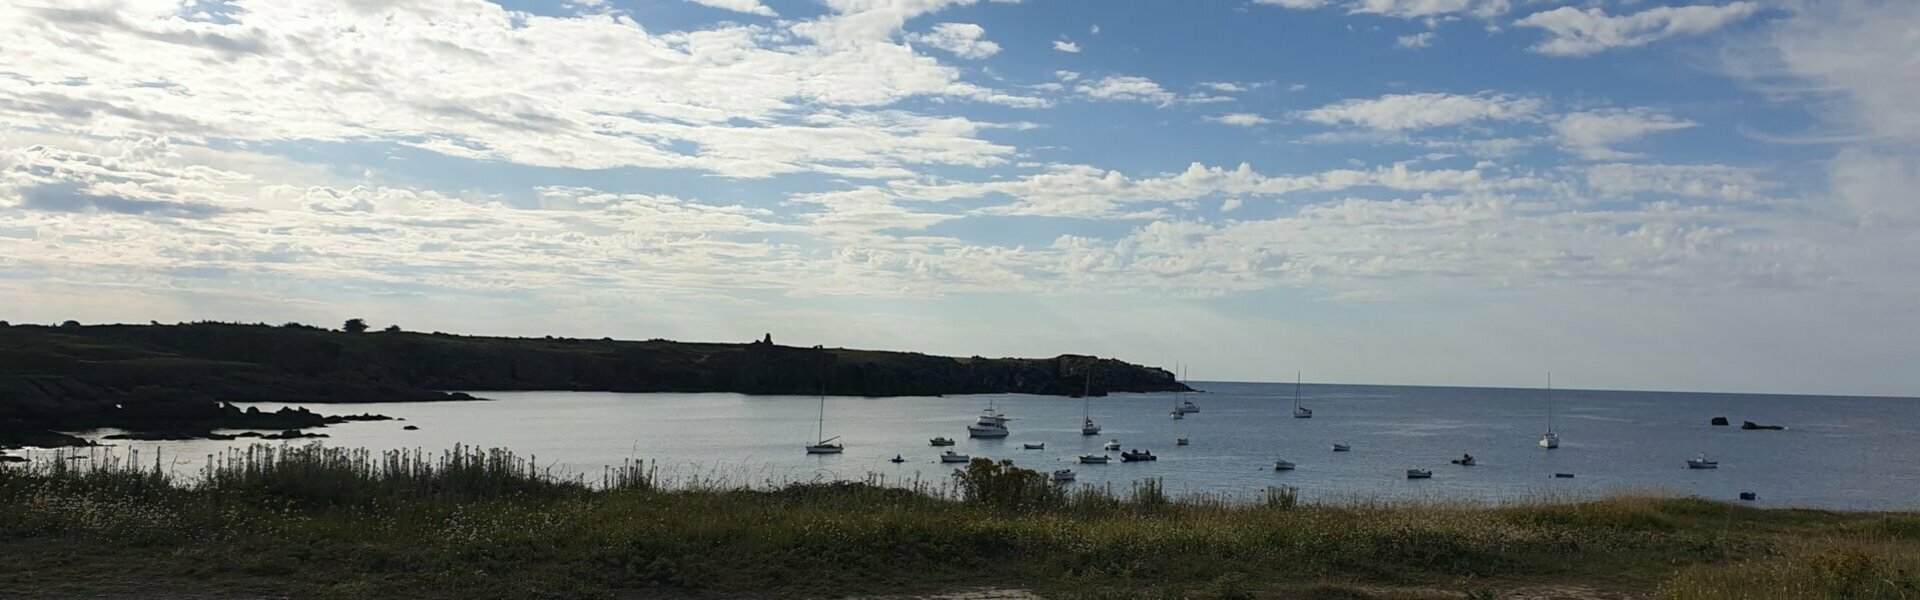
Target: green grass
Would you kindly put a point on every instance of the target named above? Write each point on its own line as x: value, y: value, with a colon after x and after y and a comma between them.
x: 312, y: 522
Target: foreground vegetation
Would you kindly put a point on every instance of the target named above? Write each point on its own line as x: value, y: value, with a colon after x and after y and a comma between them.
x: 312, y: 522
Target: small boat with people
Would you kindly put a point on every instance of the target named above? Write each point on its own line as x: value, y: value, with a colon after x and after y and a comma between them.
x: 1095, y: 459
x: 1034, y: 446
x: 940, y: 441
x: 1137, y: 456
x: 1282, y: 465
x: 1342, y: 448
x: 897, y: 459
x: 954, y: 457
x: 1180, y: 441
x: 1563, y: 476
x: 1111, y: 445
x: 1701, y: 462
x: 1419, y: 474
x: 1465, y: 460
x: 1063, y: 475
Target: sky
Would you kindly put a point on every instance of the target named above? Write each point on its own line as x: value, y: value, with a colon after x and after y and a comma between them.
x: 1631, y: 194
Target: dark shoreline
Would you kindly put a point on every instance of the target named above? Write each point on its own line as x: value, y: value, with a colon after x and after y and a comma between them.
x: 161, y: 380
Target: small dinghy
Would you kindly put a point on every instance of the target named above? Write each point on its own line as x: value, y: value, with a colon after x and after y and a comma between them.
x: 1701, y: 462
x: 1342, y: 448
x: 1419, y: 474
x: 1282, y: 465
x: 954, y: 457
x: 1464, y: 461
x: 1137, y: 456
x: 1112, y: 445
x: 1749, y: 496
x: 940, y: 441
x: 1034, y: 446
x: 1180, y: 442
x: 1063, y: 475
x: 1563, y: 475
x: 1095, y: 459
x: 897, y: 459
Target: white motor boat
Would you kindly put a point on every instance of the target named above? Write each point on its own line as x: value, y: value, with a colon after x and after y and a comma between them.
x: 954, y: 457
x: 1063, y: 475
x: 1034, y: 446
x: 1180, y: 442
x: 1342, y: 448
x: 1112, y: 445
x: 992, y: 424
x: 1095, y: 459
x: 940, y: 441
x: 1419, y: 474
x: 1282, y: 465
x: 1701, y: 462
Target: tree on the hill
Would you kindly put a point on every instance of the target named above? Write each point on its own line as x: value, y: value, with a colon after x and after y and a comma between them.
x: 354, y: 326
x: 70, y: 324
x: 393, y: 329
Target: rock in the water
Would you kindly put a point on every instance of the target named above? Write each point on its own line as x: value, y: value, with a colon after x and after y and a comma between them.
x: 39, y: 439
x: 1719, y: 420
x: 9, y: 458
x: 291, y: 434
x: 1751, y: 426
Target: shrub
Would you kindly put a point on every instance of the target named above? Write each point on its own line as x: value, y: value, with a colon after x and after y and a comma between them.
x: 354, y: 326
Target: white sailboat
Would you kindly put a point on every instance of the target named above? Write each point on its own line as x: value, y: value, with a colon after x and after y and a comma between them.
x: 825, y: 445
x: 1086, y: 406
x: 1549, y: 440
x: 1299, y: 412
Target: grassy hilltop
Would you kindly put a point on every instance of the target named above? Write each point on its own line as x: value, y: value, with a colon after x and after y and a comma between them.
x: 332, y: 523
x: 175, y: 376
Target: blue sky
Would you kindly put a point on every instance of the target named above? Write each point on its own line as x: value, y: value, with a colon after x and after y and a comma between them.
x: 1636, y: 194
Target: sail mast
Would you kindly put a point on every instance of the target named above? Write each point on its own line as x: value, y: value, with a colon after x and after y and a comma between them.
x: 1549, y: 401
x: 1296, y: 390
x: 823, y: 415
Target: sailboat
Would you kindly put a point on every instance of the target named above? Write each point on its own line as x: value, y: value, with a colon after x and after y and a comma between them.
x: 1086, y: 406
x: 825, y: 445
x: 1549, y: 440
x: 1299, y: 412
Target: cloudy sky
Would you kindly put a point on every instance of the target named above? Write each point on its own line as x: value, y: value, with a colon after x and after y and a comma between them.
x: 1633, y: 194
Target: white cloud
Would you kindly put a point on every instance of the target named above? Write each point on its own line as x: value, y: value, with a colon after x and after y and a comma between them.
x: 1225, y: 86
x: 742, y: 101
x: 964, y: 40
x: 1698, y: 181
x: 1418, y: 40
x: 1230, y: 205
x: 1592, y: 135
x: 1066, y: 46
x: 1578, y: 32
x: 752, y: 7
x: 1125, y: 88
x: 1400, y: 112
x: 1090, y: 192
x: 1404, y: 9
x: 1239, y: 119
x: 1093, y: 30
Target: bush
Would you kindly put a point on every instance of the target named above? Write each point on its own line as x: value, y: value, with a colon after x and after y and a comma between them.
x: 1004, y: 485
x: 354, y: 326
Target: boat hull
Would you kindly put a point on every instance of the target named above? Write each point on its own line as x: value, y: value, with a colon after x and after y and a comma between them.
x: 986, y: 432
x: 1095, y: 460
x: 824, y: 449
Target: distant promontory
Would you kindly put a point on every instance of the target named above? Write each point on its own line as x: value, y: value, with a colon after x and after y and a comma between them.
x: 142, y: 377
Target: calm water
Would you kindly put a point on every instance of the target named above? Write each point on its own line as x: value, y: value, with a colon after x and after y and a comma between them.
x: 1838, y: 453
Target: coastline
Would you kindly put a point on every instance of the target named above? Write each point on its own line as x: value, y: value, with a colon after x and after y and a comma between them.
x: 311, y: 522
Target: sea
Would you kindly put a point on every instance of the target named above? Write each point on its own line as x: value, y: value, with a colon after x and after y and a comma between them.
x: 1855, y: 453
